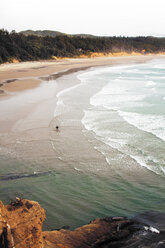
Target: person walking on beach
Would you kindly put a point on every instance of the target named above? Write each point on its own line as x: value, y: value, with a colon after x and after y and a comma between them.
x: 57, y: 128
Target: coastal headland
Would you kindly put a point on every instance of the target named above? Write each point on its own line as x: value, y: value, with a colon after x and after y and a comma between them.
x: 21, y: 227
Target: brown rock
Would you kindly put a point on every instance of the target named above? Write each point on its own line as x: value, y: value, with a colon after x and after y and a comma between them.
x: 93, y: 235
x: 21, y: 227
x: 21, y: 224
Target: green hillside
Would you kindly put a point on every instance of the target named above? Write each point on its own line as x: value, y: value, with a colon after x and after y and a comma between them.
x: 42, y: 33
x: 34, y: 47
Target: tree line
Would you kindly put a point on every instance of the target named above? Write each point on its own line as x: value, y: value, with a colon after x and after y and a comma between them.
x: 32, y: 47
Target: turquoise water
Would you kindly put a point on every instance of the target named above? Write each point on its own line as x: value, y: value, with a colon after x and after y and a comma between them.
x: 122, y: 117
x: 74, y: 199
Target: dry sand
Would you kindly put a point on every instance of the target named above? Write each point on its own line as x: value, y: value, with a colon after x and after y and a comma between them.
x: 20, y: 85
x: 25, y: 75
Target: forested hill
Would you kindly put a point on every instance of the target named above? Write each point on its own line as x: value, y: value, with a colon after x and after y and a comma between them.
x: 50, y: 33
x: 24, y: 48
x: 42, y: 33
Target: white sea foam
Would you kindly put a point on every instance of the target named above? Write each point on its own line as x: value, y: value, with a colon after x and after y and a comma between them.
x: 162, y: 169
x: 115, y: 95
x: 154, y: 124
x: 159, y: 66
x: 60, y: 102
x: 153, y: 90
x: 61, y: 107
x: 150, y: 83
x: 140, y: 160
x: 77, y: 169
x: 152, y: 229
x: 85, y: 76
x: 62, y: 92
x: 129, y: 96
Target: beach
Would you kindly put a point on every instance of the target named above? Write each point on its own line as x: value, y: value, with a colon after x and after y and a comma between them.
x: 62, y: 169
x: 33, y: 70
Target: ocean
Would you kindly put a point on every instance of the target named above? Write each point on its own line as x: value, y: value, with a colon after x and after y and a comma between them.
x: 106, y: 159
x: 128, y: 113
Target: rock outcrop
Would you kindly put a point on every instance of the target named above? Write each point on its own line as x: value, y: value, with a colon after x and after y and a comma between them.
x: 21, y: 224
x: 21, y: 227
x: 96, y: 233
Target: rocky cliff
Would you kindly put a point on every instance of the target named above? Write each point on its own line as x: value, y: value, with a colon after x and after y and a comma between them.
x: 21, y: 227
x: 21, y: 224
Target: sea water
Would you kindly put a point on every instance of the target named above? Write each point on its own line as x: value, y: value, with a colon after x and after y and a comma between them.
x: 128, y: 113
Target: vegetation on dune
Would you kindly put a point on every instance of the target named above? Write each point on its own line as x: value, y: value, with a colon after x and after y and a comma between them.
x: 32, y: 47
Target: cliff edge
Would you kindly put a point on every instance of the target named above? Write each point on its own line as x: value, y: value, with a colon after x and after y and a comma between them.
x: 21, y: 227
x: 21, y: 224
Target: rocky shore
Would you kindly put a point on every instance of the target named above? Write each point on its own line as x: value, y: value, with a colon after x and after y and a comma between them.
x: 21, y: 227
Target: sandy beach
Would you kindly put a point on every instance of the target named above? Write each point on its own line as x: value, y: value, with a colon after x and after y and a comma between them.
x: 29, y: 98
x: 29, y: 111
x: 16, y: 79
x: 33, y: 103
x: 19, y: 76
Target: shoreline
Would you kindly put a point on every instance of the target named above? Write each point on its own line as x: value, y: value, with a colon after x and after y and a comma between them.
x: 31, y: 131
x: 26, y: 75
x: 37, y: 111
